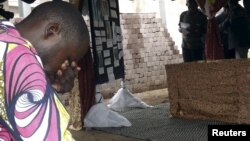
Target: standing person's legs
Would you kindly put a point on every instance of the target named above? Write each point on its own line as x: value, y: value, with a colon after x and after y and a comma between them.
x: 197, y: 54
x: 241, y: 53
x: 229, y: 53
x: 186, y: 53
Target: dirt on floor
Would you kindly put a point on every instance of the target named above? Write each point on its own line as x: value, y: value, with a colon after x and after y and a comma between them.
x: 150, y: 97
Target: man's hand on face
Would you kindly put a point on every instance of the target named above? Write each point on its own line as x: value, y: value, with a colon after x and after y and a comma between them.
x: 65, y: 76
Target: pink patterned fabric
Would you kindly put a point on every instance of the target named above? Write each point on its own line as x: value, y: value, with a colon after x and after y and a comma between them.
x: 4, y: 134
x: 33, y: 110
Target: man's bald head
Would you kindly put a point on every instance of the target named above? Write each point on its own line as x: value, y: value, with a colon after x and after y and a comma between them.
x: 73, y: 25
x: 57, y: 31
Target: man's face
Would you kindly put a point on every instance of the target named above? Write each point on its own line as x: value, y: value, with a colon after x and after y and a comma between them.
x: 52, y: 55
x: 53, y: 62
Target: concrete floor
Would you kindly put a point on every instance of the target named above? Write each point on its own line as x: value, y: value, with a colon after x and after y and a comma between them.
x: 150, y: 97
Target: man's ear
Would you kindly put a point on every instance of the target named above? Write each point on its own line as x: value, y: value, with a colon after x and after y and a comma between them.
x: 51, y: 30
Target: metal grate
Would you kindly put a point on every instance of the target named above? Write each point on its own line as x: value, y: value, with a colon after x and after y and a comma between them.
x: 153, y: 124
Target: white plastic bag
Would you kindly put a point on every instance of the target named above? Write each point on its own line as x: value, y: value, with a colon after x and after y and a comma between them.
x: 124, y: 99
x: 101, y: 116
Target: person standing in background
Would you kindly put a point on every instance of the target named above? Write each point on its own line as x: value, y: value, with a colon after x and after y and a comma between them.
x: 222, y: 20
x: 238, y: 34
x: 246, y: 4
x: 192, y: 25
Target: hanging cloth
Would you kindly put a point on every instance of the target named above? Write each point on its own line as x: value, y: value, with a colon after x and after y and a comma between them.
x: 213, y: 46
x: 86, y: 79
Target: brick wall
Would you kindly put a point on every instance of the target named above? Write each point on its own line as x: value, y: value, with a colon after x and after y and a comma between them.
x: 148, y: 47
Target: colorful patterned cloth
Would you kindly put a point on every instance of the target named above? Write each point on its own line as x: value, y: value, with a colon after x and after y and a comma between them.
x: 72, y: 103
x: 29, y: 106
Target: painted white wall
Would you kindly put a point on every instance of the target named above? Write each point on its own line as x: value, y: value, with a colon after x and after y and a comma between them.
x: 173, y: 12
x: 169, y: 11
x: 139, y: 6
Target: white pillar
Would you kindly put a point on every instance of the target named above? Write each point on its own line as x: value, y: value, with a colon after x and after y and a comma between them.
x: 24, y: 9
x: 162, y: 11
